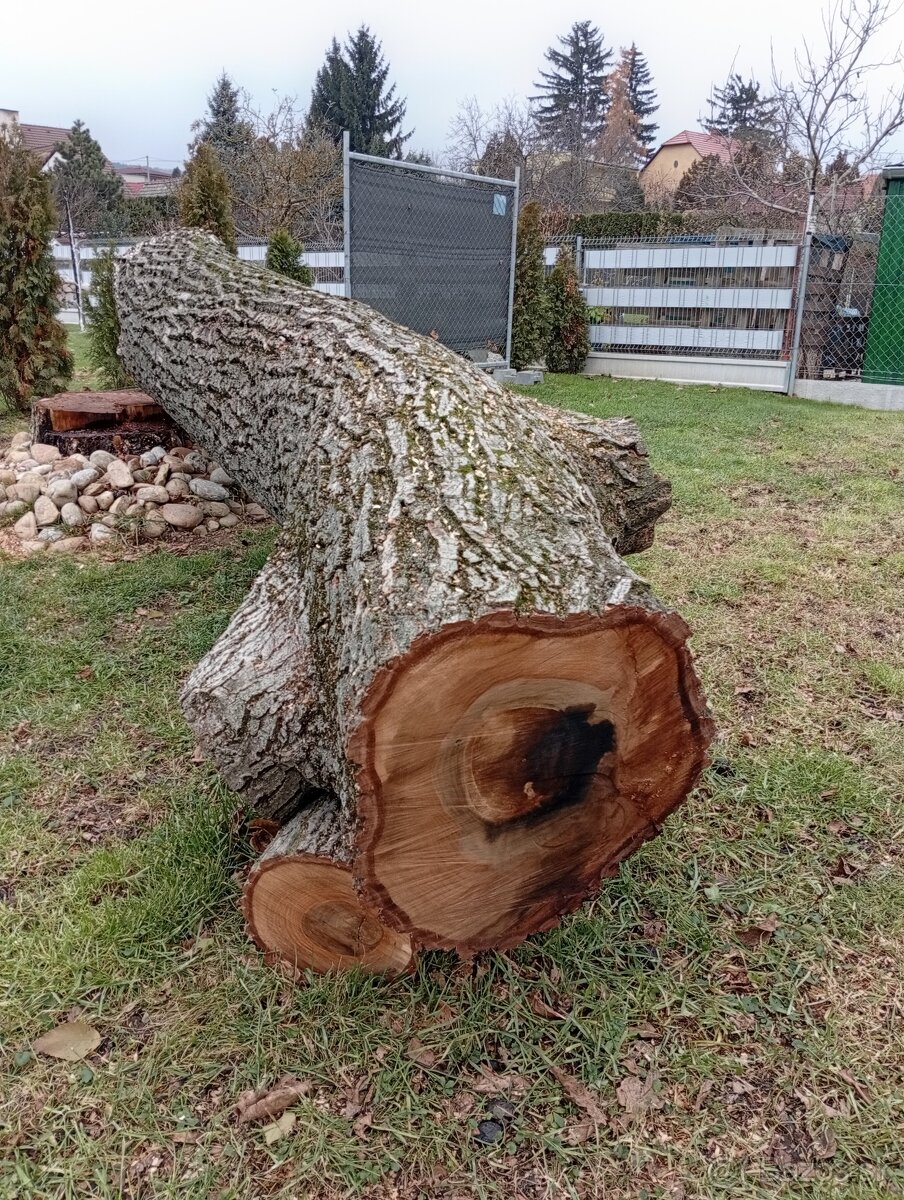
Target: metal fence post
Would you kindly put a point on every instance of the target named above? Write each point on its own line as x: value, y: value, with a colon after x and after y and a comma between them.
x: 801, y: 297
x: 346, y: 212
x: 511, y: 297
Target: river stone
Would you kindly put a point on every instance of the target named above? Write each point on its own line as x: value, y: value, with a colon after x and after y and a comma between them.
x: 152, y: 495
x: 72, y: 515
x: 162, y: 475
x: 52, y: 533
x: 28, y: 489
x: 26, y: 528
x: 143, y: 474
x: 100, y: 533
x: 15, y: 508
x: 42, y: 453
x: 256, y: 511
x: 153, y: 529
x: 135, y: 509
x: 181, y: 516
x: 35, y: 545
x: 104, y: 500
x: 62, y: 491
x: 214, y: 508
x: 153, y: 456
x: 218, y: 475
x: 212, y: 524
x: 7, y: 477
x: 194, y: 462
x: 17, y: 457
x: 88, y: 504
x: 207, y: 490
x: 20, y: 441
x: 229, y: 521
x: 119, y: 475
x: 67, y: 545
x: 101, y: 459
x: 82, y: 478
x: 177, y: 487
x: 46, y: 512
x: 119, y: 506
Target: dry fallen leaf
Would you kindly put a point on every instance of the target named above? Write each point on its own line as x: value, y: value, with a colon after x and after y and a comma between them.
x: 71, y: 1041
x: 361, y: 1124
x: 280, y: 1129
x: 824, y: 1144
x: 759, y: 931
x: 261, y: 832
x: 266, y: 1103
x: 539, y: 1006
x: 491, y: 1083
x: 577, y: 1134
x: 636, y: 1095
x: 578, y: 1094
x: 421, y: 1054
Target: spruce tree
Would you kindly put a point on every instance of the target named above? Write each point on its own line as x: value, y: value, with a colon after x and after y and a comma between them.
x: 529, y: 315
x: 223, y: 127
x: 89, y: 194
x: 641, y: 94
x: 103, y: 326
x: 571, y: 107
x: 326, y: 112
x: 34, y: 361
x: 351, y: 92
x: 284, y: 257
x: 205, y: 201
x: 739, y: 110
x: 567, y: 344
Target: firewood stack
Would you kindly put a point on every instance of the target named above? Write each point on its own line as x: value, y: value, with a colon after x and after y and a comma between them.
x: 447, y: 689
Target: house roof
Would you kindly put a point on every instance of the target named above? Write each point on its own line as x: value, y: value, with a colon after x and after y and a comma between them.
x: 706, y: 144
x: 42, y: 140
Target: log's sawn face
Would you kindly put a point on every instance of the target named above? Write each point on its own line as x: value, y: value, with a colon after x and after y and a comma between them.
x: 507, y: 764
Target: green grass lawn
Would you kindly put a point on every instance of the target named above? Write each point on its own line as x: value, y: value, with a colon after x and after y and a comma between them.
x: 733, y: 1000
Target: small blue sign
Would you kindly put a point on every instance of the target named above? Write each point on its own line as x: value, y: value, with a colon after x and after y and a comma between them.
x: 500, y: 204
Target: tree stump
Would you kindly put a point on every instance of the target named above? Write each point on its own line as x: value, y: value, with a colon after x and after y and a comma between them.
x: 447, y: 640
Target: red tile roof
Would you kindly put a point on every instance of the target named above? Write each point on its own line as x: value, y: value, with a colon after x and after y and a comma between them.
x: 42, y: 140
x: 706, y: 144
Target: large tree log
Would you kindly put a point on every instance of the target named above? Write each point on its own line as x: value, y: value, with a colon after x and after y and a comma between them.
x: 301, y: 906
x: 447, y: 640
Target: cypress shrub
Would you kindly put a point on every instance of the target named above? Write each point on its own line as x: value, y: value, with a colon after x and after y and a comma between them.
x: 283, y: 256
x: 34, y: 361
x: 103, y: 326
x: 567, y: 345
x: 205, y: 201
x: 529, y: 309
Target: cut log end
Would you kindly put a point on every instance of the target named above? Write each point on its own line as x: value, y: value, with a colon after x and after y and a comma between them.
x: 304, y: 910
x: 508, y: 764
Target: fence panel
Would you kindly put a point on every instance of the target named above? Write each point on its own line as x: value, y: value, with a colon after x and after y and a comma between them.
x: 433, y: 249
x: 714, y: 295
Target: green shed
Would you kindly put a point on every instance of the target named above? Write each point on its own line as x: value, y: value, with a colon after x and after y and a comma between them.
x: 884, y: 359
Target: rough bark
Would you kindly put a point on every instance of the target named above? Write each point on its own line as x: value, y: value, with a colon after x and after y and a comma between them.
x: 301, y: 905
x: 437, y: 530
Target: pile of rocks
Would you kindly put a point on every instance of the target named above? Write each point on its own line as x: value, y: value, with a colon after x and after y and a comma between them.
x: 66, y: 504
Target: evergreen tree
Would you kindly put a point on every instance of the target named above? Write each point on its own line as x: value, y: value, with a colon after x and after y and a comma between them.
x: 350, y: 92
x: 205, y: 201
x: 103, y: 326
x: 326, y: 111
x: 88, y: 193
x: 529, y: 316
x: 641, y: 95
x: 223, y: 127
x: 284, y: 257
x: 567, y: 344
x: 741, y: 111
x: 34, y: 361
x: 571, y: 108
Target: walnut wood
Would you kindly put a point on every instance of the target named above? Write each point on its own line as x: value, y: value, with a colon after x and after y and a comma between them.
x: 446, y: 639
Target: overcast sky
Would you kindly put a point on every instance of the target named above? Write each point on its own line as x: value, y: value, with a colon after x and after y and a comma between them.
x: 139, y: 75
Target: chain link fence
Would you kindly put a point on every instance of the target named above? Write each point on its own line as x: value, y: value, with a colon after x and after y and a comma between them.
x: 852, y: 324
x: 433, y: 249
